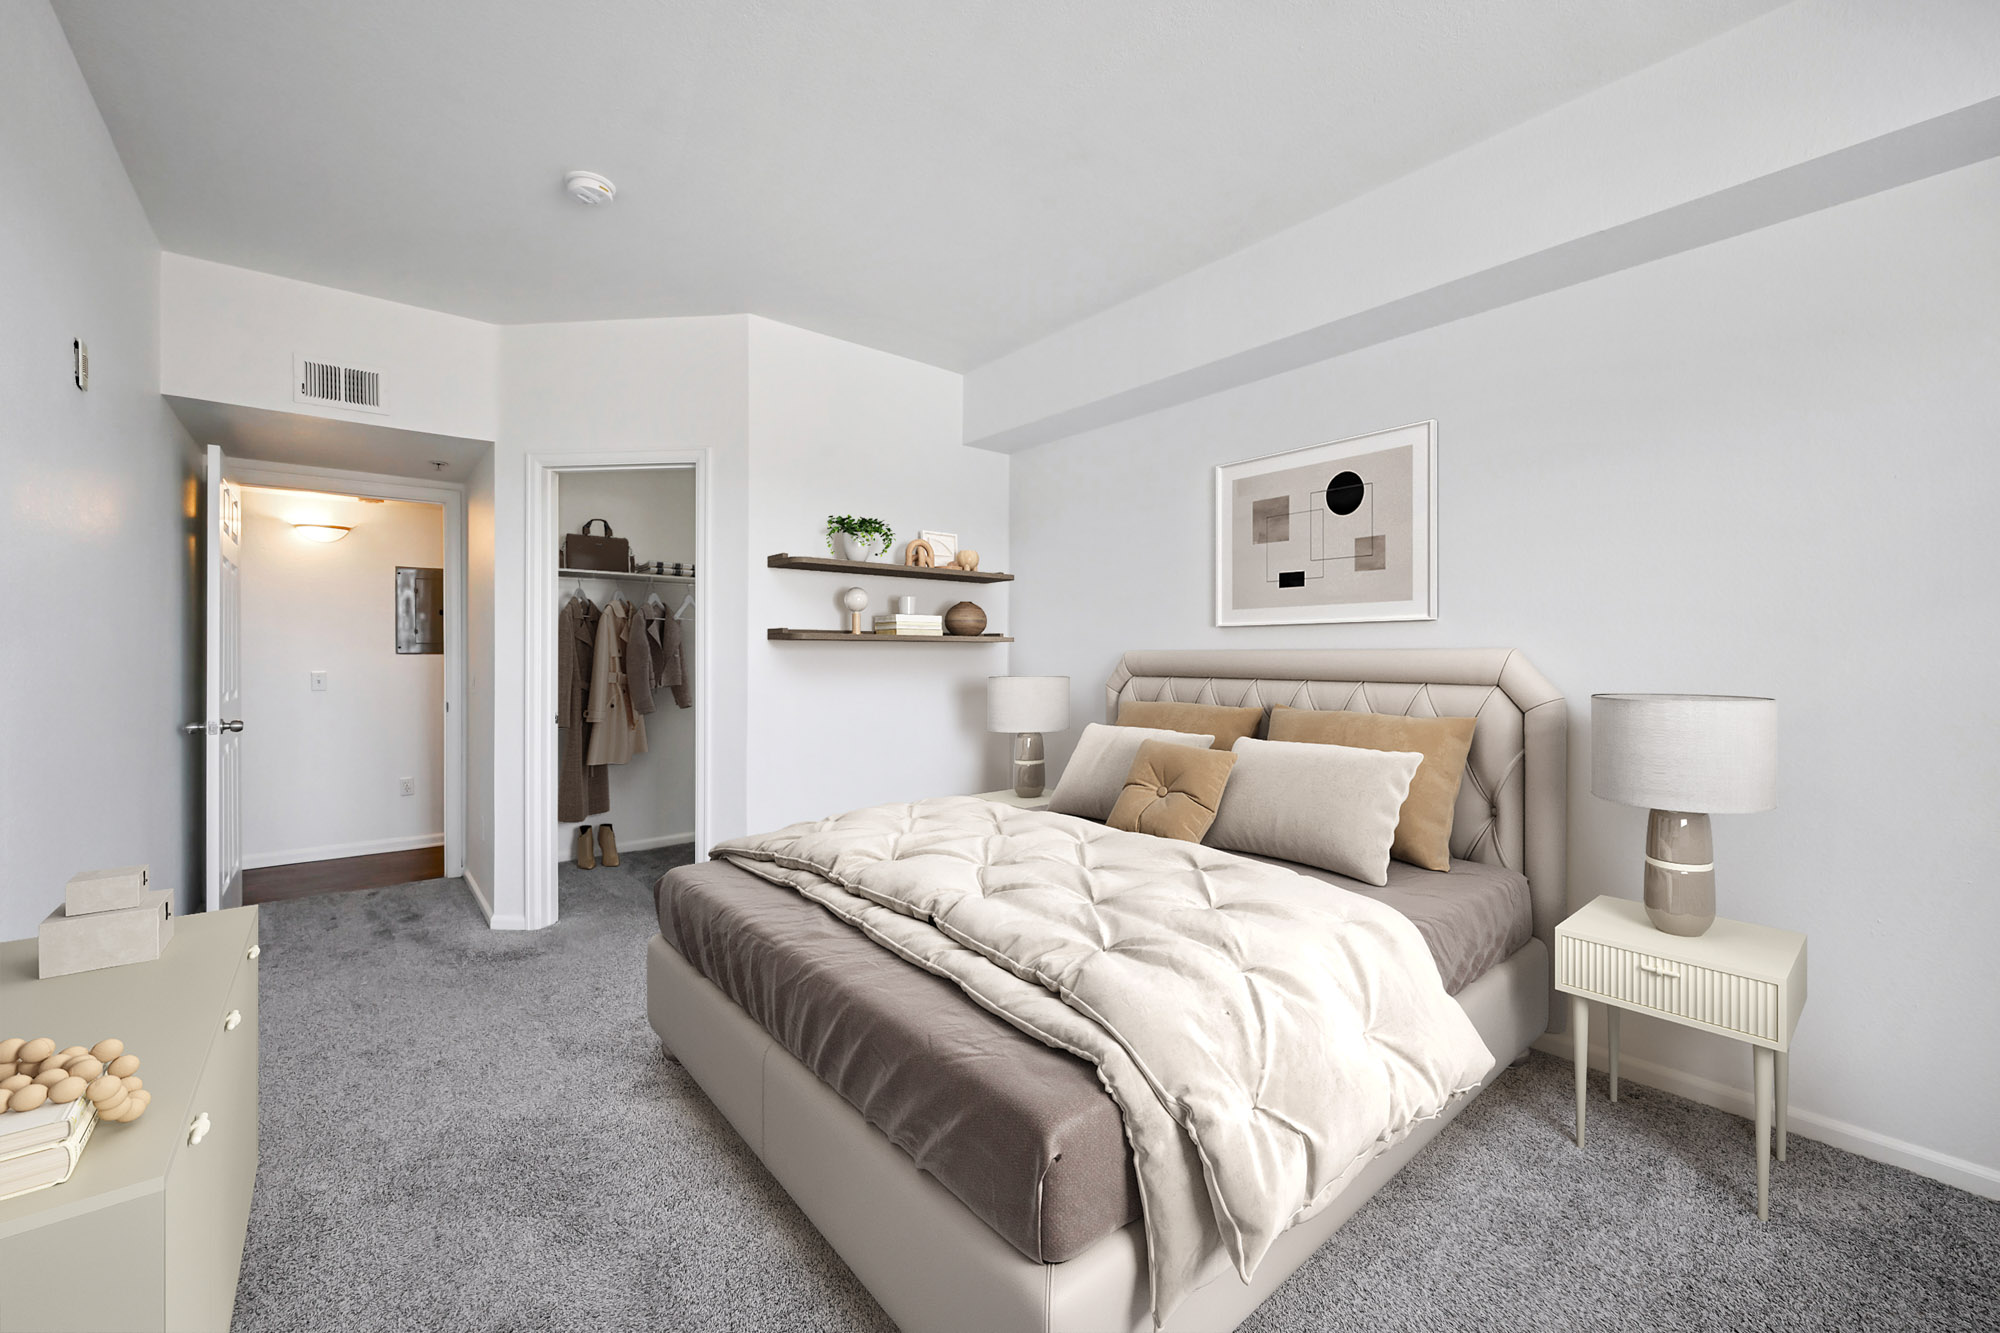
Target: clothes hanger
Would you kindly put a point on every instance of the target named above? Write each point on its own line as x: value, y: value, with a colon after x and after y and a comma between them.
x: 686, y: 602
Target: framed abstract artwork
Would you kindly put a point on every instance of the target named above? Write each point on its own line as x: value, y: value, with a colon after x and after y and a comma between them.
x: 1336, y: 532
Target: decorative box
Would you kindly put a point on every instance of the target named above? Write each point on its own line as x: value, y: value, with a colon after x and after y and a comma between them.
x: 106, y: 890
x: 83, y: 942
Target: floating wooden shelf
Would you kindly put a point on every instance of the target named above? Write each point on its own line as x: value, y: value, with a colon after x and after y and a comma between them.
x: 883, y: 567
x: 842, y: 636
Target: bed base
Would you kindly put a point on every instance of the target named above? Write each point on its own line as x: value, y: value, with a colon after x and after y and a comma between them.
x: 921, y: 1253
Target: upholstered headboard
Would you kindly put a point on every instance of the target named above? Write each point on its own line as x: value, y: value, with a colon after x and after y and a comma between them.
x: 1513, y: 804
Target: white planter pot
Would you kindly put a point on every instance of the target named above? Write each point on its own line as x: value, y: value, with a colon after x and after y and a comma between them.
x: 856, y: 548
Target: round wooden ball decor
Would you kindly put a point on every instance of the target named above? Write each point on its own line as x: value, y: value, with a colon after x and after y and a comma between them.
x: 44, y: 1074
x: 967, y: 561
x: 965, y: 619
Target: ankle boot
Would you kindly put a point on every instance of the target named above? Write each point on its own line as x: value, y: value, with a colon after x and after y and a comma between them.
x: 607, y: 846
x: 586, y: 853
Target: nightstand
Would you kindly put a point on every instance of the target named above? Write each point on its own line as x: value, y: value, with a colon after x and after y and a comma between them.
x: 1740, y: 981
x: 1008, y: 797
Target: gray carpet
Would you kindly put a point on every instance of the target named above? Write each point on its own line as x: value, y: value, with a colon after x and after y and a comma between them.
x: 474, y: 1129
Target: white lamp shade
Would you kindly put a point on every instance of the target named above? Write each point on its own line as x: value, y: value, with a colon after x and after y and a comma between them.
x: 1711, y: 754
x: 1027, y: 703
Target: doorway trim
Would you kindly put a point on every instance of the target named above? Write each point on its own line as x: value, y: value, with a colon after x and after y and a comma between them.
x: 451, y: 496
x: 539, y: 747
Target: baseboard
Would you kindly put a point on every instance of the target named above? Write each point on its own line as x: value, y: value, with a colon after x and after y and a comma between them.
x: 478, y: 894
x: 1957, y: 1171
x: 340, y: 851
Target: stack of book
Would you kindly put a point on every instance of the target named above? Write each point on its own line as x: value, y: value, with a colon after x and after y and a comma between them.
x: 40, y: 1148
x: 921, y: 627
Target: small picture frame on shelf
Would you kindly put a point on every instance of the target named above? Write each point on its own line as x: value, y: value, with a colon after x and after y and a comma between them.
x: 944, y: 547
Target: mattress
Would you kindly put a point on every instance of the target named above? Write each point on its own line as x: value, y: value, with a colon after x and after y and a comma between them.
x: 1021, y: 1133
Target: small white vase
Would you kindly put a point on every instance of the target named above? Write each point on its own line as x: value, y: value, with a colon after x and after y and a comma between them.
x: 855, y: 548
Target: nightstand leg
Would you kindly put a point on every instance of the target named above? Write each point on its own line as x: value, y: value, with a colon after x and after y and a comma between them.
x: 1784, y: 1093
x: 1579, y: 1031
x: 1611, y: 1040
x: 1764, y: 1063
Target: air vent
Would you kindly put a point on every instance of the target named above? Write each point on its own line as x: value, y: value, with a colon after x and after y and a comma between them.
x: 332, y: 385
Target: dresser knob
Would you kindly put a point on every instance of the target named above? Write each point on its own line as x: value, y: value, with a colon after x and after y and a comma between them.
x: 198, y: 1130
x: 232, y: 1020
x: 253, y: 951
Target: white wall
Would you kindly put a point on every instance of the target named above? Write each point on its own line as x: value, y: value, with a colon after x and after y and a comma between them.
x: 481, y: 815
x: 229, y: 336
x: 841, y: 429
x: 621, y: 386
x: 101, y: 597
x: 1765, y: 467
x: 652, y: 798
x: 321, y: 769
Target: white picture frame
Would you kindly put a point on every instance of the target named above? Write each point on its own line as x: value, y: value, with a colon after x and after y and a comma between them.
x: 944, y: 545
x: 1295, y: 548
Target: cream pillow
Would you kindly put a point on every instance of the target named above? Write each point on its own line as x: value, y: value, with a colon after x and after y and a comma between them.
x: 1095, y: 774
x: 1331, y: 806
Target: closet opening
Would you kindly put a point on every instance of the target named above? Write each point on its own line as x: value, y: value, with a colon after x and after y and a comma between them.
x: 626, y: 566
x: 341, y: 642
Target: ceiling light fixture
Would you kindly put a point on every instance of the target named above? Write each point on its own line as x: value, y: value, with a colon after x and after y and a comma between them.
x: 587, y: 187
x: 321, y: 532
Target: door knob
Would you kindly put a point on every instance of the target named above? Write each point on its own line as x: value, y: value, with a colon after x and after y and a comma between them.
x: 236, y: 725
x: 196, y: 729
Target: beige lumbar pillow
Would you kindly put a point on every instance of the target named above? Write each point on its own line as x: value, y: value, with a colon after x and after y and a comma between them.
x: 1227, y: 724
x: 1095, y: 773
x: 1423, y: 830
x: 1331, y: 806
x: 1172, y: 791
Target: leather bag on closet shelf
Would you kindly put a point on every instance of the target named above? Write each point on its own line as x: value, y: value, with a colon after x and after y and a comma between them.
x: 583, y: 550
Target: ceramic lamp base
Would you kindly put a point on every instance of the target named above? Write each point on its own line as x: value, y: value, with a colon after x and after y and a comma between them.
x: 1680, y: 872
x: 1029, y: 770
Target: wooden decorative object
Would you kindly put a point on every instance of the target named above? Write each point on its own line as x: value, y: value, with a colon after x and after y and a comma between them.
x: 967, y: 561
x: 965, y: 619
x: 920, y: 554
x: 63, y: 1076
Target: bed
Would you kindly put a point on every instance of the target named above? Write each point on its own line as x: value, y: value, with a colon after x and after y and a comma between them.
x: 974, y: 1179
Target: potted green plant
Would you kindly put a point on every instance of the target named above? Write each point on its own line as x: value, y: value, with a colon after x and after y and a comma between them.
x: 857, y: 538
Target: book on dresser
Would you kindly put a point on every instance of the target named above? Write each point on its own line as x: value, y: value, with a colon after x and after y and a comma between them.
x: 40, y: 1148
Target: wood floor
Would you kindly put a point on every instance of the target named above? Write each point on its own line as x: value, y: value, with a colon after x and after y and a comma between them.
x: 275, y: 883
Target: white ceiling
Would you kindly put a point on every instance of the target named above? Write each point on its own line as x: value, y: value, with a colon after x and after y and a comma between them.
x: 943, y: 180
x: 326, y: 442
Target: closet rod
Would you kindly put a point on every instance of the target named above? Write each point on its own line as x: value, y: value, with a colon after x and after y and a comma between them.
x: 635, y: 576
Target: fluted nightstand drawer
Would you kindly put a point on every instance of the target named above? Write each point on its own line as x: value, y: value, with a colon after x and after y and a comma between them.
x: 1681, y: 990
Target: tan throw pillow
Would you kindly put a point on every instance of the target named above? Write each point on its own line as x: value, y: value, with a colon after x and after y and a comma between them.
x: 1227, y: 725
x: 1095, y: 774
x: 1331, y: 806
x: 1423, y: 831
x: 1172, y: 791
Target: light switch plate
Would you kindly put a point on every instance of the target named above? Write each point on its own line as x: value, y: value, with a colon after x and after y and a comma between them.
x: 409, y: 786
x: 318, y: 680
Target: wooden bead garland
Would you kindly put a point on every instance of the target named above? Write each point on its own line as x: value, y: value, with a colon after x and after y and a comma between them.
x: 36, y: 1072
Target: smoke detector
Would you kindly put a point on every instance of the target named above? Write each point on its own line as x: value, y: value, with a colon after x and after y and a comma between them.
x: 587, y: 187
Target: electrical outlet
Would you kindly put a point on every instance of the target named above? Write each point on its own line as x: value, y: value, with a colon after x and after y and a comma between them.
x: 409, y: 786
x: 318, y: 679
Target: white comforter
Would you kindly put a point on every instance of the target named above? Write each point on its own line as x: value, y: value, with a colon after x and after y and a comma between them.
x: 1265, y: 1034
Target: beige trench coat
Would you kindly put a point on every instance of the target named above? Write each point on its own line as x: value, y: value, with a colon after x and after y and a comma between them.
x: 617, y: 732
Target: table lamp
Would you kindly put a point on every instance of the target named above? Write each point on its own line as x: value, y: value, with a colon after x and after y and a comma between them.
x: 1027, y: 706
x: 1684, y: 757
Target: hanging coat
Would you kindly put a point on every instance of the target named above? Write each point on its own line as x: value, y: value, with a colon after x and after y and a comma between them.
x: 664, y: 652
x: 581, y: 790
x: 617, y: 732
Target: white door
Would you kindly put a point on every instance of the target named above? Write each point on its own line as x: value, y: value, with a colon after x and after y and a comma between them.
x: 222, y: 725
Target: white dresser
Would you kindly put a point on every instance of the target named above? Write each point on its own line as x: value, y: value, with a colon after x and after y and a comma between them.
x: 1737, y: 980
x: 148, y: 1233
